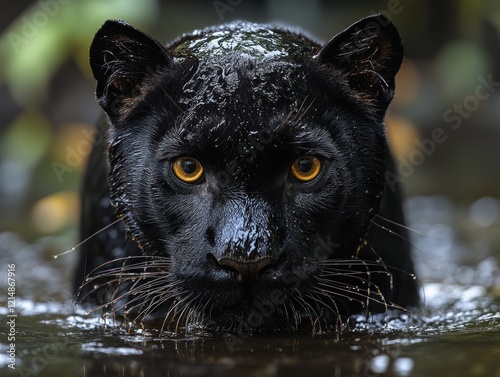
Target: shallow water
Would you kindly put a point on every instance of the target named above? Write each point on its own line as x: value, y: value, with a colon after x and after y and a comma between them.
x: 457, y: 333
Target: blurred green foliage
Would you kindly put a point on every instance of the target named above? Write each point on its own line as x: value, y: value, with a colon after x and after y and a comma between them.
x: 36, y: 43
x: 34, y: 48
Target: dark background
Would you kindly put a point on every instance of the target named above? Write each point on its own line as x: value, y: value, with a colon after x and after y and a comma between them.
x: 47, y: 109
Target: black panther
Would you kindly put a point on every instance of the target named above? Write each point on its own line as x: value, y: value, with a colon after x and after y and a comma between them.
x: 241, y: 184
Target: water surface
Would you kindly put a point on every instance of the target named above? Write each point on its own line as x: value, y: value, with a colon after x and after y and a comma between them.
x: 457, y: 333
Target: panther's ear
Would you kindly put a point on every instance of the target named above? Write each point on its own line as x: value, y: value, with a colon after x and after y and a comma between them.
x: 121, y: 58
x: 369, y: 53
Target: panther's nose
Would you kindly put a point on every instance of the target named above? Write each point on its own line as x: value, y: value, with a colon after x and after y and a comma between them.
x: 247, y: 273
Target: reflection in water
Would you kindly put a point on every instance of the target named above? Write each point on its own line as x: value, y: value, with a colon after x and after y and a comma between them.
x: 456, y: 334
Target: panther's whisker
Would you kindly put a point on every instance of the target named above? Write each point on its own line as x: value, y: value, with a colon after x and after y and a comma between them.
x: 299, y: 110
x: 183, y: 311
x: 144, y: 297
x: 351, y: 293
x: 87, y: 239
x: 420, y: 233
x: 305, y: 305
x: 320, y: 302
x: 305, y: 111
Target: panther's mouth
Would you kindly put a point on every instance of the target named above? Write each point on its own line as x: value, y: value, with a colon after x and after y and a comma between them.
x: 247, y: 274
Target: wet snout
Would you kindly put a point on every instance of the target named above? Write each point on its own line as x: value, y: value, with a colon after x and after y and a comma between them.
x: 246, y: 240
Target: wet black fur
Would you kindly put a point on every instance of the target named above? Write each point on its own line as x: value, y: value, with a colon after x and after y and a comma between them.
x: 246, y: 111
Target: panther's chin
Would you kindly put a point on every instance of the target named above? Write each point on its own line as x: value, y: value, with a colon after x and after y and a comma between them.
x: 248, y: 321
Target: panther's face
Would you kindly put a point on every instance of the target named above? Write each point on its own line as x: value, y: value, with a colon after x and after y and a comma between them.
x: 249, y: 180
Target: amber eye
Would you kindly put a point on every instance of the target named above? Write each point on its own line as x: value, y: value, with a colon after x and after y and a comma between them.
x: 306, y: 168
x: 187, y: 169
